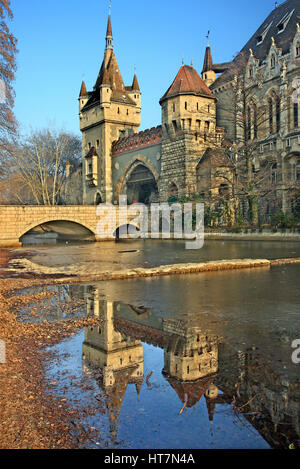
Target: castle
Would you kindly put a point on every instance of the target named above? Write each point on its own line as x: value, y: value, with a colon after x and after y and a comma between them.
x: 209, y: 123
x: 150, y: 165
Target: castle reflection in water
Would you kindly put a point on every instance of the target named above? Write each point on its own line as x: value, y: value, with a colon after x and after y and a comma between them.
x: 197, y: 365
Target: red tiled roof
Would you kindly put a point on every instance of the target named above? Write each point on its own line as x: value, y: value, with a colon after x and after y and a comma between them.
x: 139, y: 140
x: 191, y: 392
x: 188, y: 81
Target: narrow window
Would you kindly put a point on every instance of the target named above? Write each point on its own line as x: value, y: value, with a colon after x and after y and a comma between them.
x: 248, y: 125
x: 273, y: 61
x: 296, y: 115
x: 173, y: 107
x: 185, y: 105
x: 270, y: 116
x: 298, y: 49
x: 278, y: 115
x: 255, y: 120
x: 274, y: 173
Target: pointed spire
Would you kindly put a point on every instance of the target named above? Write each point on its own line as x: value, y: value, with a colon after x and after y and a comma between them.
x: 208, y: 63
x: 83, y: 92
x: 135, y: 83
x: 109, y: 36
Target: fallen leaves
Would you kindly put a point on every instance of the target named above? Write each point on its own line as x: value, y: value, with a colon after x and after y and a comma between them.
x: 30, y: 416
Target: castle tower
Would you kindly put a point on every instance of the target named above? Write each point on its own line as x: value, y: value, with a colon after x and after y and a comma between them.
x: 83, y: 95
x: 188, y: 128
x: 111, y: 111
x: 119, y: 358
x: 208, y: 74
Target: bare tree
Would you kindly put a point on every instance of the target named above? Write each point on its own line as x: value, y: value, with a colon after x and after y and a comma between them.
x: 39, y: 162
x: 8, y: 53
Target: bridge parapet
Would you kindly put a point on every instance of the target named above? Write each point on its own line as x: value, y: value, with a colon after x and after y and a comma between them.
x: 15, y: 221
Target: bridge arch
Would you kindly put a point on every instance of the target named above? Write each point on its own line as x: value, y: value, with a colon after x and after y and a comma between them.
x: 46, y: 220
x: 117, y: 233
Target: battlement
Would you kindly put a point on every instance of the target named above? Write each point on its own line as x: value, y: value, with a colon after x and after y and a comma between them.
x: 141, y: 139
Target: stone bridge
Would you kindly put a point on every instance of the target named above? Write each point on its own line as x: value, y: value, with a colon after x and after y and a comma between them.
x: 15, y: 221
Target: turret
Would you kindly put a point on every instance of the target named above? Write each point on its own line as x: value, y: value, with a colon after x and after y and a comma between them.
x: 134, y: 91
x: 208, y: 74
x: 105, y: 89
x: 188, y: 103
x: 83, y: 95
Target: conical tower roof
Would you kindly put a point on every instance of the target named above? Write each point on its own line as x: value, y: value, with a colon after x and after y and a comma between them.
x: 83, y: 92
x: 188, y: 81
x: 135, y: 83
x: 208, y: 63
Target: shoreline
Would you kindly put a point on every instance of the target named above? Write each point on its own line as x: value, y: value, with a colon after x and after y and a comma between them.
x: 52, y: 274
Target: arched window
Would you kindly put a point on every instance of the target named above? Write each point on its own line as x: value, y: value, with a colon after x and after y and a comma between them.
x: 98, y: 199
x: 274, y: 173
x: 254, y: 121
x: 248, y: 126
x: 173, y: 192
x: 273, y: 61
x: 270, y: 105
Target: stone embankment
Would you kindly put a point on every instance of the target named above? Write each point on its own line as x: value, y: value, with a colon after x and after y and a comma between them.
x: 256, y: 236
x: 74, y: 274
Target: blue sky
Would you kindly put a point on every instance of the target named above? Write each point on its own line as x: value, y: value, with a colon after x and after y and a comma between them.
x: 59, y: 40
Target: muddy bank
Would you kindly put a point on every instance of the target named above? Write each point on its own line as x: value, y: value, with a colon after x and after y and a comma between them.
x: 30, y: 416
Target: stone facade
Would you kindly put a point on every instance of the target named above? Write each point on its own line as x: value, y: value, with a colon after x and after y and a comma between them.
x: 258, y: 105
x: 154, y: 164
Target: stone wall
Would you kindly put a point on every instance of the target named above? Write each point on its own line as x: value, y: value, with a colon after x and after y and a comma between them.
x: 15, y: 221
